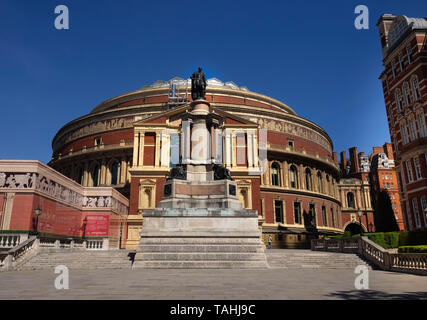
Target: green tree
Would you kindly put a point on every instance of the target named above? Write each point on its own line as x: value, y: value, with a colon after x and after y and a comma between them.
x: 384, y: 218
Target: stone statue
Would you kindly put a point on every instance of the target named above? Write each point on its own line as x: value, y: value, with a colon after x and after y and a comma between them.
x: 178, y: 172
x: 198, y: 85
x: 221, y: 173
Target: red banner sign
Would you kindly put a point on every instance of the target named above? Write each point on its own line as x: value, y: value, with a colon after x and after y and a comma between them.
x: 97, y: 226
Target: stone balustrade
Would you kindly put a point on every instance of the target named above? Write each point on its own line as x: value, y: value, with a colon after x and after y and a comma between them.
x: 14, y: 258
x: 415, y: 263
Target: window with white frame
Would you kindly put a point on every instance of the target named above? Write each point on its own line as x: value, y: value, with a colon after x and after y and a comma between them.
x: 412, y: 130
x: 417, y: 168
x: 406, y: 94
x: 408, y: 53
x: 404, y: 132
x: 415, y: 211
x: 422, y: 125
x: 408, y: 171
x: 401, y: 61
x: 398, y: 98
x: 393, y: 68
x: 415, y: 88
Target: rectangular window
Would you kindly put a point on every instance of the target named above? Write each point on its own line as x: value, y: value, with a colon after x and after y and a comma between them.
x: 278, y: 210
x: 312, y: 214
x: 401, y: 61
x: 421, y: 125
x: 404, y: 132
x: 408, y: 53
x: 324, y: 218
x: 417, y: 169
x: 97, y: 141
x: 412, y: 131
x: 297, y: 213
x: 408, y: 171
x: 415, y: 211
x: 393, y: 68
x: 382, y: 176
x: 332, y: 217
x: 291, y: 144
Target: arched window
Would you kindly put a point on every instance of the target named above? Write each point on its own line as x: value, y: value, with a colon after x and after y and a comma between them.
x: 350, y: 200
x: 114, y: 173
x: 415, y: 88
x: 308, y: 179
x: 293, y: 176
x: 319, y: 183
x: 275, y: 174
x: 95, y: 176
x: 398, y: 97
x: 406, y: 94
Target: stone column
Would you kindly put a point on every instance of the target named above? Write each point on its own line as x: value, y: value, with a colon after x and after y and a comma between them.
x: 157, y: 152
x: 234, y: 150
x: 227, y: 149
x: 249, y: 149
x: 165, y: 149
x: 123, y: 170
x: 102, y: 179
x: 301, y: 177
x: 135, y: 149
x: 285, y: 174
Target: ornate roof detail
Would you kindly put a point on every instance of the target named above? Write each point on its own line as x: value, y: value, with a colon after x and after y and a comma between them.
x: 400, y: 27
x: 187, y: 82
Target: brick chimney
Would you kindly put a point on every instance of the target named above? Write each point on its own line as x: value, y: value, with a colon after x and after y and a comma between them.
x: 343, y: 163
x: 388, y: 150
x: 334, y: 157
x: 354, y: 160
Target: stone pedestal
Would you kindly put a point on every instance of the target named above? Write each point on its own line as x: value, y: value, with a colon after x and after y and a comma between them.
x: 200, y: 222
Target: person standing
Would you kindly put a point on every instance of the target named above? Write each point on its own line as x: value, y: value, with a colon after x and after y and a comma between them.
x: 270, y: 240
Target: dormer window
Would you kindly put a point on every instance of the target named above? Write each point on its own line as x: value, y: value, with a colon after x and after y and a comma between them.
x: 408, y: 53
x: 97, y: 141
x: 401, y: 61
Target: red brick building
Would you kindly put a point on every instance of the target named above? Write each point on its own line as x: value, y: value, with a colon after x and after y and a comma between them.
x: 383, y: 176
x: 404, y: 80
x: 129, y: 141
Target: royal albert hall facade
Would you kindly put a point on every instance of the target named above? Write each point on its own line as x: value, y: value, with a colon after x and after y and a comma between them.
x: 296, y: 196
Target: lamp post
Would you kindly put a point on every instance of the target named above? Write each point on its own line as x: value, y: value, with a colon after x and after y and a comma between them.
x: 37, y: 212
x: 359, y: 213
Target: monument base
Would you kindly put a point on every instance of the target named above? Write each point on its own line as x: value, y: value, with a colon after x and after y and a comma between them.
x: 200, y: 238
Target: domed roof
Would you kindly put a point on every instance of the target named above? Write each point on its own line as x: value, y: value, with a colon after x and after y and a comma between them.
x: 187, y: 82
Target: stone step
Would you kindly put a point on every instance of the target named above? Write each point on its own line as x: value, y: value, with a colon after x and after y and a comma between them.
x: 184, y: 256
x: 200, y: 264
x: 200, y: 248
x: 195, y: 241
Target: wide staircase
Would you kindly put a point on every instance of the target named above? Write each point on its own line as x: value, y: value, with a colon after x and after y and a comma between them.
x: 183, y: 253
x: 307, y: 259
x: 80, y: 259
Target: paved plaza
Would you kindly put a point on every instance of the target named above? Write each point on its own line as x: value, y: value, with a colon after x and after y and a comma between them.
x: 215, y: 284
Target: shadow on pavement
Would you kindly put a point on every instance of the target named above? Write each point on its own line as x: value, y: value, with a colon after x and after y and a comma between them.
x: 377, y: 295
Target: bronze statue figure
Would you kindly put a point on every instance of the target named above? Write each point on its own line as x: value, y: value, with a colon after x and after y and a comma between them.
x: 198, y: 85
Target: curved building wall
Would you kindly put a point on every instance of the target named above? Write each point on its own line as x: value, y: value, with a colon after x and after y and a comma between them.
x: 97, y: 149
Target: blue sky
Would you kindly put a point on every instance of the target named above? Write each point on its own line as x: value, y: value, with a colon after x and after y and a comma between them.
x: 307, y: 54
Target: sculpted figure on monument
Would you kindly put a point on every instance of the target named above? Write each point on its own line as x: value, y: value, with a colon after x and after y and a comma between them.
x: 198, y: 85
x: 221, y: 173
x: 178, y: 172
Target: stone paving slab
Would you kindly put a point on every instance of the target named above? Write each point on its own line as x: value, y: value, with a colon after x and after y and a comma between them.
x: 219, y: 284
